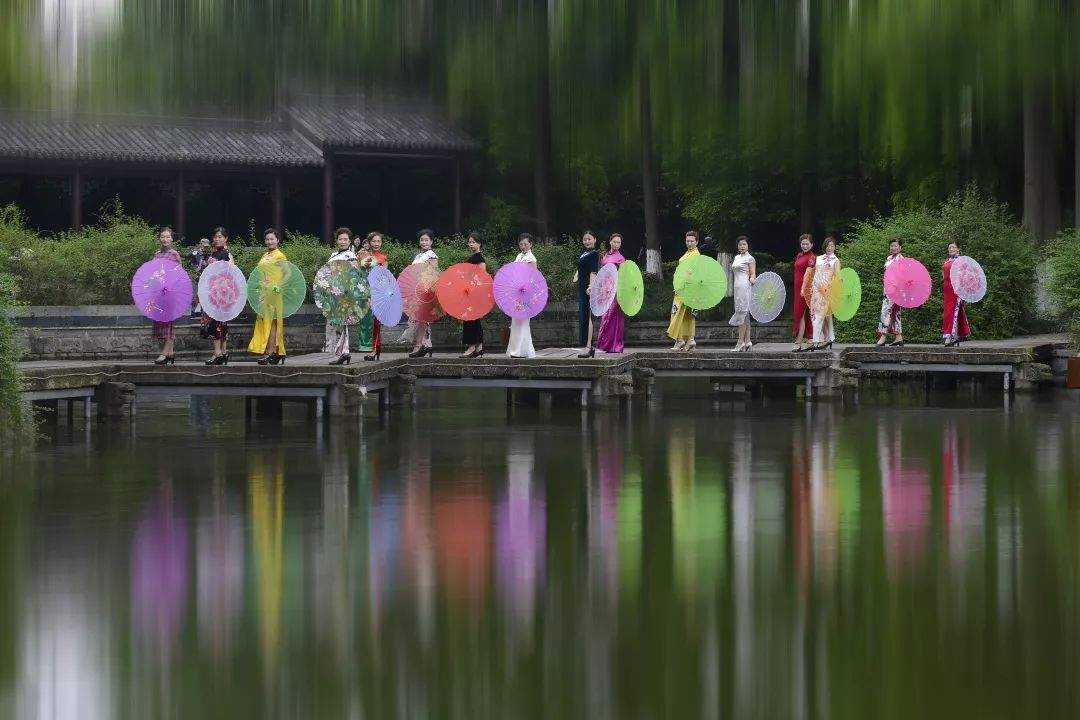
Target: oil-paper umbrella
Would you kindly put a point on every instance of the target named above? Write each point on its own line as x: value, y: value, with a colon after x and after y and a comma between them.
x: 464, y: 291
x: 161, y: 289
x: 907, y: 282
x: 968, y: 279
x: 341, y: 293
x: 385, y: 296
x: 631, y: 289
x: 520, y: 290
x: 700, y: 282
x: 276, y: 289
x: 767, y: 297
x: 845, y: 295
x: 419, y: 296
x: 222, y: 291
x: 604, y: 287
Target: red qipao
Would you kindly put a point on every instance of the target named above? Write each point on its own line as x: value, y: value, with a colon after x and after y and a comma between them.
x: 801, y: 314
x: 954, y: 321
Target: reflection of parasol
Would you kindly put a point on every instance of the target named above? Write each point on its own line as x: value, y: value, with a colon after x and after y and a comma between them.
x: 907, y: 282
x: 464, y: 292
x: 520, y: 290
x: 385, y: 296
x: 161, y: 289
x: 340, y: 292
x: 968, y: 279
x: 700, y: 282
x: 602, y: 293
x: 418, y: 294
x: 276, y: 289
x: 767, y: 297
x: 631, y: 288
x: 222, y: 291
x: 845, y: 295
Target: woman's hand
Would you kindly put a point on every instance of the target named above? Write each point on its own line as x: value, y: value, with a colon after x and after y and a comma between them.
x: 588, y: 290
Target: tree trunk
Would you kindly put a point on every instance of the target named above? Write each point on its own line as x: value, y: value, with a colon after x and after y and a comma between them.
x: 653, y: 266
x: 1076, y: 142
x: 1042, y: 205
x: 542, y: 166
x: 806, y: 204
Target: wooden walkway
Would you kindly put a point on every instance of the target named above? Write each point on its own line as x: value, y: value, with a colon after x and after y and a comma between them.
x: 341, y: 389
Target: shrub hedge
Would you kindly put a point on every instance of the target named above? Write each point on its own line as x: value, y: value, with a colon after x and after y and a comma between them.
x: 11, y: 416
x: 1064, y: 286
x: 985, y: 230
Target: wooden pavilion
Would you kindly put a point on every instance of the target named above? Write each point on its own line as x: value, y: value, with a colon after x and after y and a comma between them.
x: 310, y: 140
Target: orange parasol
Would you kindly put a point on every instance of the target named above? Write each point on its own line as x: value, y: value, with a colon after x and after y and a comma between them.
x: 465, y: 292
x: 418, y: 295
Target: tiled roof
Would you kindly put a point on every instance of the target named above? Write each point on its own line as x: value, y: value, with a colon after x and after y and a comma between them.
x: 160, y: 141
x: 379, y: 128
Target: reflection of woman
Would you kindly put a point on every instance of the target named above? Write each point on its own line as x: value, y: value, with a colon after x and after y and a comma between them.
x: 421, y: 331
x: 889, y: 322
x: 804, y: 261
x: 612, y: 336
x: 337, y: 336
x: 588, y: 264
x: 268, y: 338
x: 472, y: 332
x: 954, y: 320
x: 370, y: 330
x: 521, y: 344
x: 683, y: 323
x: 744, y: 270
x: 266, y: 488
x: 825, y: 270
x: 214, y: 329
x: 164, y: 330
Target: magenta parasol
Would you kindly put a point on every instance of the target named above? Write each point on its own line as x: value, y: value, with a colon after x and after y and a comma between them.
x: 604, y: 287
x: 968, y: 279
x: 520, y: 290
x: 907, y: 282
x: 162, y: 290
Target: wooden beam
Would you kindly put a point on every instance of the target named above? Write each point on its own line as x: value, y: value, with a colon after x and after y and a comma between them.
x: 457, y: 195
x: 76, y: 199
x: 328, y: 200
x: 181, y: 207
x: 279, y: 205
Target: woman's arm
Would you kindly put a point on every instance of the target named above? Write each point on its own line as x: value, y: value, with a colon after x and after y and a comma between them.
x: 588, y: 290
x: 753, y: 271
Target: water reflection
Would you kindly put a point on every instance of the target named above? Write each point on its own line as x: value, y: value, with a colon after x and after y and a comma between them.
x: 808, y: 565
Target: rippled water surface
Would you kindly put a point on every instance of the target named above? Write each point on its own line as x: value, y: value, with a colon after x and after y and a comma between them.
x: 684, y: 559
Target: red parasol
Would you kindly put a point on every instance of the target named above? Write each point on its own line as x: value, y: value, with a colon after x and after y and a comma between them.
x: 464, y: 292
x: 418, y: 292
x: 907, y: 282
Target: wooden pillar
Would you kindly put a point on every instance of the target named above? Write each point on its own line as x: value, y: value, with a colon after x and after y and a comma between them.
x: 181, y: 207
x: 328, y: 200
x: 457, y: 195
x: 279, y: 205
x: 76, y: 199
x: 385, y: 197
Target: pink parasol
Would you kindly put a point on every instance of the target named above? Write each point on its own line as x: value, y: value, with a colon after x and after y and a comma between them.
x: 520, y: 290
x: 419, y: 295
x: 161, y: 289
x: 604, y: 287
x: 907, y: 282
x: 968, y: 279
x: 222, y: 291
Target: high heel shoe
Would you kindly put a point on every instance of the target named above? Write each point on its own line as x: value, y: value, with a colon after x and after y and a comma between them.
x: 166, y: 360
x: 373, y: 356
x: 341, y: 360
x: 264, y: 360
x: 421, y: 352
x: 678, y: 346
x: 225, y: 359
x: 467, y: 354
x: 747, y: 346
x: 216, y: 360
x: 591, y: 352
x: 479, y: 353
x: 690, y: 345
x: 896, y: 343
x: 827, y: 345
x: 276, y: 359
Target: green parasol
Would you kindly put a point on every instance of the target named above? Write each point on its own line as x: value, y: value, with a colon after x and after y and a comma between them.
x: 276, y: 289
x: 630, y: 291
x: 845, y: 294
x: 341, y: 292
x: 700, y: 282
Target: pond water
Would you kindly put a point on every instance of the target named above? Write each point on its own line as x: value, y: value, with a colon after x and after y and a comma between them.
x: 679, y: 559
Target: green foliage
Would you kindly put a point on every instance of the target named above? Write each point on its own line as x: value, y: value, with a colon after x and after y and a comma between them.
x: 985, y: 230
x: 11, y: 415
x: 1064, y: 255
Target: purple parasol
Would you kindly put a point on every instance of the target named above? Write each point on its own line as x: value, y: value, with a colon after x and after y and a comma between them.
x: 520, y: 290
x: 161, y: 289
x: 385, y: 296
